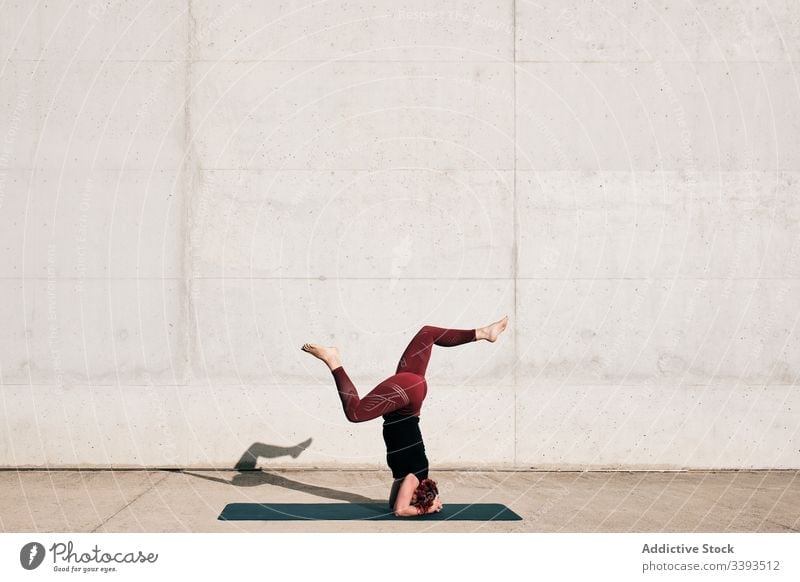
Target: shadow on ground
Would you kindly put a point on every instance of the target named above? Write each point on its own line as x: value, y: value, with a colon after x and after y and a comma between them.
x: 249, y: 476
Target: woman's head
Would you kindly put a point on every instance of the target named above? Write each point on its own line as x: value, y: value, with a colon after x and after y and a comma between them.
x: 424, y: 495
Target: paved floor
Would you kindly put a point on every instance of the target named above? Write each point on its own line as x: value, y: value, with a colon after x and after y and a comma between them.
x: 191, y: 500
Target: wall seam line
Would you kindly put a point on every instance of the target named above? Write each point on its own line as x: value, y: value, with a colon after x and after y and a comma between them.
x: 514, y: 250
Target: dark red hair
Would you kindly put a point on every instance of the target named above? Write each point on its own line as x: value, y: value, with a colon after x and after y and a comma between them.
x: 424, y: 495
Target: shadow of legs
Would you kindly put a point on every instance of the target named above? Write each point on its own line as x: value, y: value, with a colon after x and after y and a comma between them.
x: 249, y: 476
x: 255, y: 478
x: 250, y: 457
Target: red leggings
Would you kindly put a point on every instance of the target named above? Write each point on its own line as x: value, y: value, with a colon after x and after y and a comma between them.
x: 404, y: 392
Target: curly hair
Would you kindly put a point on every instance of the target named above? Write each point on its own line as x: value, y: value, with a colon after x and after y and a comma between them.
x: 424, y: 495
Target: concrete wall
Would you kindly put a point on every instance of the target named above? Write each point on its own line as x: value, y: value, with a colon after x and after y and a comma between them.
x: 192, y: 189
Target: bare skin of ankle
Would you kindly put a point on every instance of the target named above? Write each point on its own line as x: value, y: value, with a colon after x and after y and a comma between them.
x: 492, y: 331
x: 328, y: 354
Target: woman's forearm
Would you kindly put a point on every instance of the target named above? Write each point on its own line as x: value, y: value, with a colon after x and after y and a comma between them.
x: 411, y: 511
x: 407, y: 511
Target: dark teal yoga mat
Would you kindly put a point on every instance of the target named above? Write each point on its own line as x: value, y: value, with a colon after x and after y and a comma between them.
x: 359, y: 511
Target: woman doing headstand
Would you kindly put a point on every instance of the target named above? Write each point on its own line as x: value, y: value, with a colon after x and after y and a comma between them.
x: 398, y: 399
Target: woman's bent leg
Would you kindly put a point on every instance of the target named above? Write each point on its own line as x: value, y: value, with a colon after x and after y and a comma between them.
x: 418, y: 353
x: 386, y: 397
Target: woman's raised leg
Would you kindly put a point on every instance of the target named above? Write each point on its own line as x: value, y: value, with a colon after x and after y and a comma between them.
x: 418, y: 353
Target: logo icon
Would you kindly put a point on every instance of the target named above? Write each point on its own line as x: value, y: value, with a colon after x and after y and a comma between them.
x: 31, y: 555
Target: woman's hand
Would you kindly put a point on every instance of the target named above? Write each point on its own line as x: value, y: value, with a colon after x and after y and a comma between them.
x: 436, y: 506
x: 411, y: 511
x: 405, y: 495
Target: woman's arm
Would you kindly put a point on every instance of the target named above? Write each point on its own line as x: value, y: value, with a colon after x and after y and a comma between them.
x: 402, y: 505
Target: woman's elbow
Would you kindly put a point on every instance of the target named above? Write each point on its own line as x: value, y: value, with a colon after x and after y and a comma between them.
x: 409, y: 511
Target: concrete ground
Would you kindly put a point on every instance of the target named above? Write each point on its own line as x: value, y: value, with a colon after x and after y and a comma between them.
x: 191, y: 500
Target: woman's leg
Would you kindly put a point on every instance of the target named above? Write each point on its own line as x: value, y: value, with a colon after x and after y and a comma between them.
x: 418, y: 353
x: 390, y: 395
x: 386, y: 397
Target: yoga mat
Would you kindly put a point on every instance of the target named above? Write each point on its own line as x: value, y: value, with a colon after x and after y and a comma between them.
x: 360, y: 511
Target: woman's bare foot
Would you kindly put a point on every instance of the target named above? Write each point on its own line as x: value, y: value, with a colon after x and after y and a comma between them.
x: 328, y: 354
x: 492, y: 331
